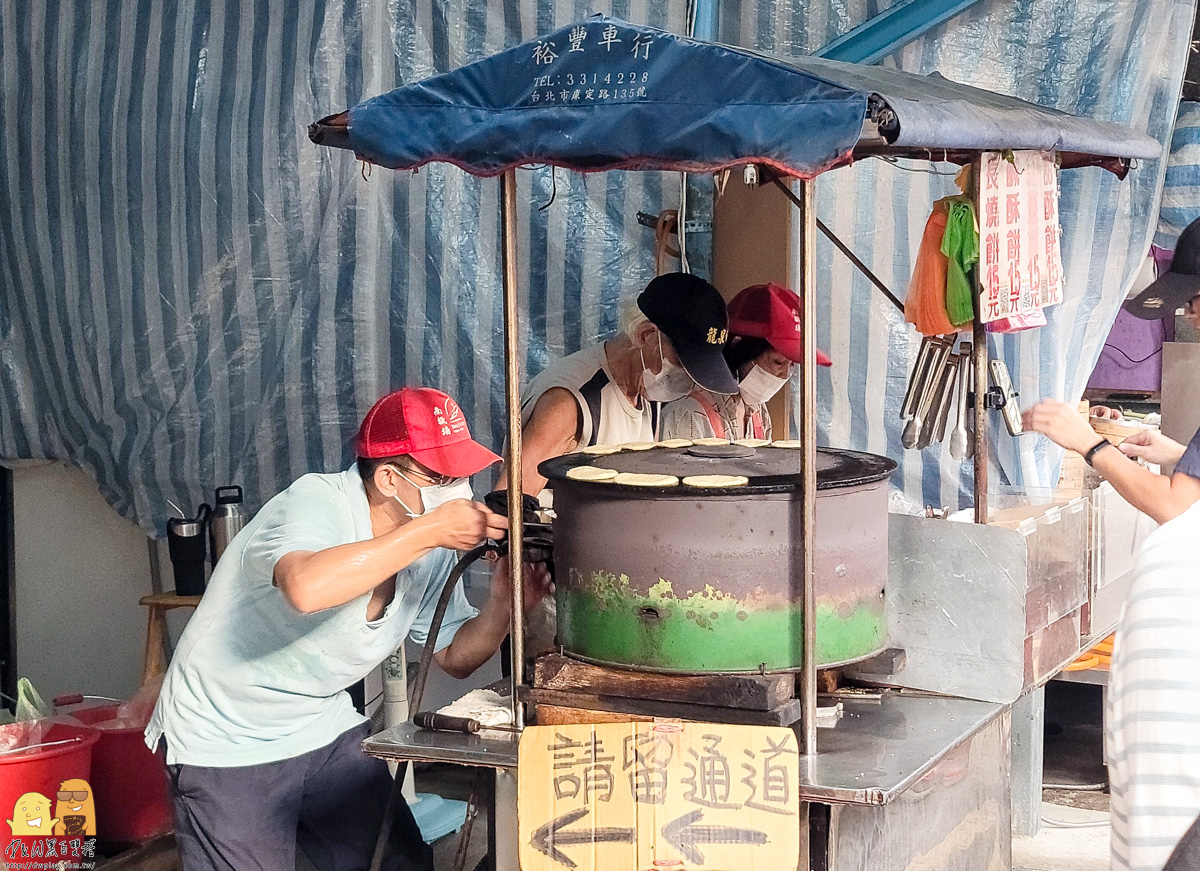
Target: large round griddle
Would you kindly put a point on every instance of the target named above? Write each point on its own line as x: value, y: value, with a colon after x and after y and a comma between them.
x: 769, y: 469
x: 704, y: 579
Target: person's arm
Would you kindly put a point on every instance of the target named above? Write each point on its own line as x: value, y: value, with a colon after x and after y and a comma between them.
x: 1153, y: 447
x: 316, y: 580
x: 553, y: 429
x: 1160, y: 497
x: 481, y: 636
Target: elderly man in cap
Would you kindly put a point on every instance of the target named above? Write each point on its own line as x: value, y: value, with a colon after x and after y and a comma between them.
x: 1152, y: 741
x: 610, y: 393
x: 262, y: 741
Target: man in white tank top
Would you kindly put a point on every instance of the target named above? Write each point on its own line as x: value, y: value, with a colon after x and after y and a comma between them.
x: 610, y: 393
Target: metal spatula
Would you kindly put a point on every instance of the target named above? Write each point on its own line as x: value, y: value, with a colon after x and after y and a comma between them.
x: 960, y: 444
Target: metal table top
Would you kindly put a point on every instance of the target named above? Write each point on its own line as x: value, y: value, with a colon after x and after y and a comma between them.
x: 880, y: 749
x: 877, y: 751
x: 406, y: 741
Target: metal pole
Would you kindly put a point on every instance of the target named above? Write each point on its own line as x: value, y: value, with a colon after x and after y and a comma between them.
x: 808, y: 465
x: 979, y: 364
x: 979, y: 357
x: 512, y: 396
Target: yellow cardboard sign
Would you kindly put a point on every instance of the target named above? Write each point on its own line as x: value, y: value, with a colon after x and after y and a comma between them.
x: 665, y: 796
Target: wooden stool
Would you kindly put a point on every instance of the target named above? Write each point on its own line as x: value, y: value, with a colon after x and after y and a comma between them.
x: 156, y: 629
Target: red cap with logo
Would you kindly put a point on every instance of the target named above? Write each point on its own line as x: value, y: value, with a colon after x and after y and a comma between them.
x: 771, y: 312
x: 426, y: 425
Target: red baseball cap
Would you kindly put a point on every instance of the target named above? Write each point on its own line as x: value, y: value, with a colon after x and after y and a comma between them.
x: 771, y: 312
x: 426, y: 425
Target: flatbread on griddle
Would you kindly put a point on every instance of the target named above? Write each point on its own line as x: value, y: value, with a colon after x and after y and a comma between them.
x: 752, y: 443
x: 676, y: 443
x: 711, y: 441
x: 591, y: 473
x: 716, y: 481
x: 637, y: 446
x: 791, y: 444
x: 600, y: 450
x: 638, y: 479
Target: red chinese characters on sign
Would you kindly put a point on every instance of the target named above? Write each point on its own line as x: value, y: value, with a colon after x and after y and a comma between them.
x: 1021, y: 271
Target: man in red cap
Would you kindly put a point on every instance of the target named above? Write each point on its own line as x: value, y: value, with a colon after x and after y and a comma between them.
x: 765, y: 339
x: 262, y: 741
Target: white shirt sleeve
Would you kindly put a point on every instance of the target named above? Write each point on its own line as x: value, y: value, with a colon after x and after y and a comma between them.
x: 308, y: 516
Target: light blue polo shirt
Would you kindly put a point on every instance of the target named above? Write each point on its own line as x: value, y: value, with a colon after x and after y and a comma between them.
x: 254, y: 680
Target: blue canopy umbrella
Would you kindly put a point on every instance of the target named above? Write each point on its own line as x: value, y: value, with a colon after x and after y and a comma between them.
x: 606, y: 94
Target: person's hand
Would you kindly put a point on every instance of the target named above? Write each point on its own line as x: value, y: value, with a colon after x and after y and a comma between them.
x: 537, y: 584
x: 462, y: 523
x: 536, y: 579
x: 1153, y: 447
x: 1062, y: 424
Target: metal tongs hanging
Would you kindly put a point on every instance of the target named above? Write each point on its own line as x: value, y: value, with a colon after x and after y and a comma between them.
x: 931, y: 395
x: 927, y: 398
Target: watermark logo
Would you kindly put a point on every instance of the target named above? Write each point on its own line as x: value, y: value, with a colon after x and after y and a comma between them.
x: 31, y: 816
x: 53, y: 834
x: 76, y: 809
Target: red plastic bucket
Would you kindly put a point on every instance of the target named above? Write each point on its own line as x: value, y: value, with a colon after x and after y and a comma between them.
x: 130, y: 782
x: 42, y: 770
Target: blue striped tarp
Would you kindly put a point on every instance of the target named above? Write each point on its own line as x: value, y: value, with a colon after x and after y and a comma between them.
x: 1181, y: 188
x: 194, y: 295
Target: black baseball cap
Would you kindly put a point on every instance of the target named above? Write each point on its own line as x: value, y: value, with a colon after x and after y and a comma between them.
x: 691, y: 313
x: 1177, y: 285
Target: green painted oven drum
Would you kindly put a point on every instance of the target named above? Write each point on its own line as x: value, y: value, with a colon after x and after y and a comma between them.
x: 702, y: 581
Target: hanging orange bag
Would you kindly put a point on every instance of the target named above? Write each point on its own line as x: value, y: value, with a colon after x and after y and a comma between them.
x: 925, y: 305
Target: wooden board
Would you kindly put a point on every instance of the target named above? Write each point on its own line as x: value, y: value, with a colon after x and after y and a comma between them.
x: 784, y: 715
x: 754, y: 692
x: 556, y: 715
x: 602, y: 796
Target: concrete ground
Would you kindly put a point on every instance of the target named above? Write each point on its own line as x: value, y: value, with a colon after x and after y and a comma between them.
x: 1082, y: 847
x: 455, y: 782
x: 1075, y: 831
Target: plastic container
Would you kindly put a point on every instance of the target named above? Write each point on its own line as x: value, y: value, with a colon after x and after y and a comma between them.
x: 43, y: 770
x: 133, y: 803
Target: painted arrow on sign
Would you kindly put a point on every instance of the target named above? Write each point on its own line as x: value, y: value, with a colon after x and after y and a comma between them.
x: 548, y: 838
x: 683, y: 834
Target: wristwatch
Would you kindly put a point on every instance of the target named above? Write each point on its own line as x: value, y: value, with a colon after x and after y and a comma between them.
x: 1095, y: 449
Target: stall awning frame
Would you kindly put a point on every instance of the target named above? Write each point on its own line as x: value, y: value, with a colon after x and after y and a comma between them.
x: 801, y: 117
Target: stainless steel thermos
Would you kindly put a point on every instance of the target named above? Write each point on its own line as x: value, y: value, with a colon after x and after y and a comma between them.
x: 193, y: 541
x: 226, y: 520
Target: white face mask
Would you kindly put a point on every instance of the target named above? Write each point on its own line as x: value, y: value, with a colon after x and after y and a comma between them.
x: 759, y: 385
x: 435, y: 495
x: 672, y: 381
